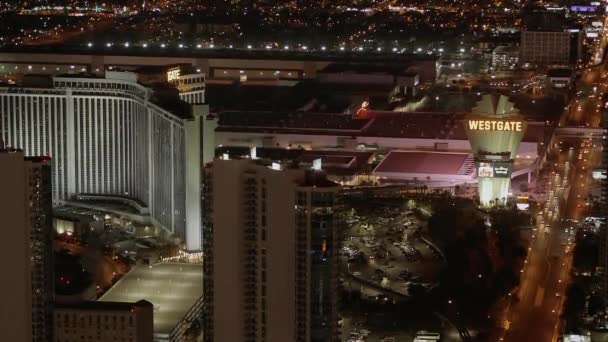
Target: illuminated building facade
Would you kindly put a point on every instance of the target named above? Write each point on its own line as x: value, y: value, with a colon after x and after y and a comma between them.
x: 191, y: 86
x: 495, y: 129
x: 550, y: 47
x: 109, y: 136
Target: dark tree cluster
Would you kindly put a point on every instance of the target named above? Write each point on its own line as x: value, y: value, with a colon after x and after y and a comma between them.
x: 482, y: 263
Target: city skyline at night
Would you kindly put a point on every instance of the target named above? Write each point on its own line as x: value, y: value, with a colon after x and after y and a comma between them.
x: 330, y: 171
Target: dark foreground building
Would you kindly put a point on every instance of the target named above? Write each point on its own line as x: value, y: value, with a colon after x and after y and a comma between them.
x: 271, y: 253
x: 26, y: 291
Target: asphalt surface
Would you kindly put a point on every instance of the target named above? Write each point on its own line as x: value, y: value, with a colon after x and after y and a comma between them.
x: 533, y: 312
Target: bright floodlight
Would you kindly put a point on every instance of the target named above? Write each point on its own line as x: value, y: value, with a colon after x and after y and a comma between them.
x: 145, y: 45
x: 90, y: 44
x: 323, y: 48
x: 127, y: 44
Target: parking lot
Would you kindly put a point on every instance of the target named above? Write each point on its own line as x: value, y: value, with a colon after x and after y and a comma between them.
x: 387, y: 249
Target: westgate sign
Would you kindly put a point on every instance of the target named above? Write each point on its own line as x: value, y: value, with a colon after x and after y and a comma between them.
x: 173, y: 74
x: 495, y: 125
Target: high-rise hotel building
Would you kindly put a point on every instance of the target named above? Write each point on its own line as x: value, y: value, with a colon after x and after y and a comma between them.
x: 271, y: 253
x: 26, y: 289
x: 550, y: 47
x: 109, y: 136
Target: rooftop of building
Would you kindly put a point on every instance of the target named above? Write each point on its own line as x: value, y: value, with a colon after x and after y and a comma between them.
x: 336, y: 159
x: 506, y: 49
x: 360, y: 68
x: 334, y: 162
x: 290, y: 120
x: 75, y: 214
x: 122, y: 202
x: 104, y: 306
x: 77, y: 75
x: 419, y: 125
x: 166, y: 97
x: 174, y: 50
x: 431, y: 163
x: 560, y: 72
x: 185, y: 69
x: 307, y: 95
x: 172, y: 288
x: 316, y: 179
x: 33, y: 159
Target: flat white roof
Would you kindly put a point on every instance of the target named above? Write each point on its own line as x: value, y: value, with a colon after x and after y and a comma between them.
x: 172, y: 288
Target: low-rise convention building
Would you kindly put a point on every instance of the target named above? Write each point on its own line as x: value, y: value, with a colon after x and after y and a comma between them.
x: 439, y: 168
x: 175, y: 291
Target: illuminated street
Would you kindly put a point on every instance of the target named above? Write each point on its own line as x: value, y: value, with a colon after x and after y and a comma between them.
x: 534, y: 312
x: 536, y: 305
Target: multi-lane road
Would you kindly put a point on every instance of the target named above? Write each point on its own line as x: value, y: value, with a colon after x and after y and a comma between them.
x: 533, y: 313
x: 535, y: 307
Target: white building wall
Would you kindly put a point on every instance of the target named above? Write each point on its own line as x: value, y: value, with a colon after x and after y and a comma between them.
x: 96, y: 131
x: 37, y: 123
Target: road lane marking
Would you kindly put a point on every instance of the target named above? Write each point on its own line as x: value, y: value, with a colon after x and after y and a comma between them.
x: 538, y: 299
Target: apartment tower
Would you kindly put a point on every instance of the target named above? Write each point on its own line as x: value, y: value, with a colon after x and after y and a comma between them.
x: 26, y: 292
x: 271, y: 243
